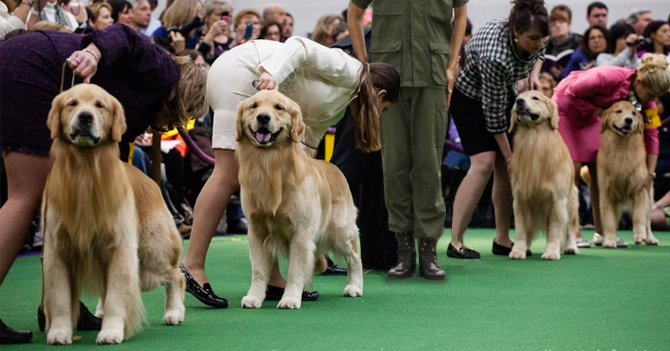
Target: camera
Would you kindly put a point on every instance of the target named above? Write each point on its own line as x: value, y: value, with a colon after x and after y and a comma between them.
x: 640, y: 40
x: 186, y: 28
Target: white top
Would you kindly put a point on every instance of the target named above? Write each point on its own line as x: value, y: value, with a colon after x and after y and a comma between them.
x: 626, y: 59
x: 8, y: 22
x: 323, y: 81
x: 50, y: 11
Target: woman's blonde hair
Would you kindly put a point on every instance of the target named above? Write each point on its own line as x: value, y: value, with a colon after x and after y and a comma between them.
x: 188, y: 98
x: 180, y: 12
x: 320, y: 33
x: 245, y: 12
x: 95, y: 10
x: 654, y: 74
x: 53, y: 26
x: 373, y: 76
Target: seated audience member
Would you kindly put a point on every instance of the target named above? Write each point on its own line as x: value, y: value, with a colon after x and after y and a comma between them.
x: 12, y: 16
x: 247, y: 18
x: 596, y: 14
x: 287, y: 25
x: 562, y: 43
x: 273, y: 12
x: 122, y: 11
x: 154, y: 23
x: 656, y: 39
x: 272, y: 31
x: 51, y: 11
x: 548, y: 84
x: 215, y: 37
x: 621, y: 48
x: 101, y: 16
x: 639, y: 19
x: 592, y: 44
x: 141, y: 14
x: 78, y: 10
x: 186, y: 13
x: 323, y: 32
x: 340, y: 31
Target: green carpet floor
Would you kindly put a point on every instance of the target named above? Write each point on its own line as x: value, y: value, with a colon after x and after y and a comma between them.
x: 600, y: 300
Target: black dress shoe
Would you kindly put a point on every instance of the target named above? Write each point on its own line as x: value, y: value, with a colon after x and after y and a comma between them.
x: 274, y: 293
x: 504, y: 250
x: 463, y: 253
x: 333, y: 269
x: 203, y: 293
x: 86, y: 321
x: 13, y: 336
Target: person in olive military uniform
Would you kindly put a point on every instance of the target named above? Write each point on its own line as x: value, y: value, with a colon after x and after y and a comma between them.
x: 417, y: 38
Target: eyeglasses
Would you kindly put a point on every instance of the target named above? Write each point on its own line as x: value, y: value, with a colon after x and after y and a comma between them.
x: 596, y: 37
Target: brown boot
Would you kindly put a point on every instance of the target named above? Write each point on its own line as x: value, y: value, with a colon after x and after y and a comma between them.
x: 428, y: 266
x: 406, y: 257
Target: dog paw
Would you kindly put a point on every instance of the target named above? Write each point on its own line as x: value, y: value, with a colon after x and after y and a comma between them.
x: 651, y: 241
x: 551, y: 255
x: 517, y: 255
x: 609, y: 243
x: 353, y: 291
x: 109, y: 336
x: 251, y: 302
x: 638, y: 238
x: 571, y: 251
x: 173, y: 317
x: 59, y: 337
x: 289, y: 303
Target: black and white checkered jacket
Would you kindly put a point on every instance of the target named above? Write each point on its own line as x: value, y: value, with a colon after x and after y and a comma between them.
x: 493, y: 66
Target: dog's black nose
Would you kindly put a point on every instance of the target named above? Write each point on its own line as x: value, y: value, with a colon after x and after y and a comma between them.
x: 85, y: 119
x: 263, y: 118
x: 520, y: 102
x: 628, y: 120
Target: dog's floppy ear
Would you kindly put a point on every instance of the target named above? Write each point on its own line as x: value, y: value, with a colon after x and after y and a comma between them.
x: 239, y: 121
x: 297, y: 125
x: 640, y: 122
x: 553, y: 113
x: 118, y: 125
x: 512, y: 122
x: 53, y: 121
x: 604, y: 120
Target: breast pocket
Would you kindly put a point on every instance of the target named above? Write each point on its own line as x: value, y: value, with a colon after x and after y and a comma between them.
x: 439, y: 56
x: 387, y: 52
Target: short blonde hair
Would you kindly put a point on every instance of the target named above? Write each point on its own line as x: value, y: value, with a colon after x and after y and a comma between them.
x: 180, y: 12
x: 243, y: 13
x: 654, y: 73
x: 320, y: 33
x: 188, y: 98
x: 95, y: 9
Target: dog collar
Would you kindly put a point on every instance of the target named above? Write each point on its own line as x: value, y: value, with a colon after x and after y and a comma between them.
x: 633, y: 100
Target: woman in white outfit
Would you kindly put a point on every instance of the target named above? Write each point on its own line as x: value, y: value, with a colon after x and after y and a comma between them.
x: 323, y: 82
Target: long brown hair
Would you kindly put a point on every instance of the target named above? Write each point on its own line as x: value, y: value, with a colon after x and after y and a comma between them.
x: 374, y: 75
x: 187, y: 99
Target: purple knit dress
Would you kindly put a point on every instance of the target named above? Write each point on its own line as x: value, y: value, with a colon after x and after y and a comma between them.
x: 134, y: 70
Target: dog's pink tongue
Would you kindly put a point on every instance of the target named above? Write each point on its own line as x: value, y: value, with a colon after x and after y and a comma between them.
x: 263, y: 137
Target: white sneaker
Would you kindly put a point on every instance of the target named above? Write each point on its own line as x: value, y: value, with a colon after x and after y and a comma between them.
x: 582, y: 243
x: 598, y: 241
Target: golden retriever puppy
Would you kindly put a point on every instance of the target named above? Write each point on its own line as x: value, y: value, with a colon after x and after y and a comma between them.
x: 622, y: 167
x: 107, y: 230
x: 542, y: 176
x: 296, y: 205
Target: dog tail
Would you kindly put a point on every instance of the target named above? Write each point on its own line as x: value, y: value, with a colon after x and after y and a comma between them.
x: 136, y: 316
x: 320, y: 264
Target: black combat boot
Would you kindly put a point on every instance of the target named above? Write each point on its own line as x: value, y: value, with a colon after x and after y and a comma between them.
x: 406, y: 257
x: 428, y: 266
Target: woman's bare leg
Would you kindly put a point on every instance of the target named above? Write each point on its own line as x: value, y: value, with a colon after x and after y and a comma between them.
x: 502, y: 201
x: 26, y: 177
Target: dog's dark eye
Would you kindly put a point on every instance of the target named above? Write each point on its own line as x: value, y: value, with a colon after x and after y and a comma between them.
x: 619, y: 111
x: 536, y: 98
x: 278, y: 108
x: 99, y: 104
x: 72, y: 103
x: 254, y: 105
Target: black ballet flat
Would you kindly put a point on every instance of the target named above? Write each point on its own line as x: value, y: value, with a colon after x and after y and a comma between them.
x: 203, y: 293
x: 274, y: 293
x: 13, y: 336
x: 505, y: 251
x: 86, y: 321
x: 463, y: 253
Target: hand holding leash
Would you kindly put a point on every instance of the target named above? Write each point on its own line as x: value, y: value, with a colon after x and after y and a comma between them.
x: 84, y: 63
x: 648, y: 181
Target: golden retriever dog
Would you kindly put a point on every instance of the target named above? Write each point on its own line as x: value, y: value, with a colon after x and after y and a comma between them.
x: 542, y: 176
x: 107, y: 230
x: 296, y: 205
x: 622, y: 168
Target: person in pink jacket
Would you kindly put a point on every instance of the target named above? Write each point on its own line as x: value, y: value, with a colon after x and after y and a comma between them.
x: 584, y: 95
